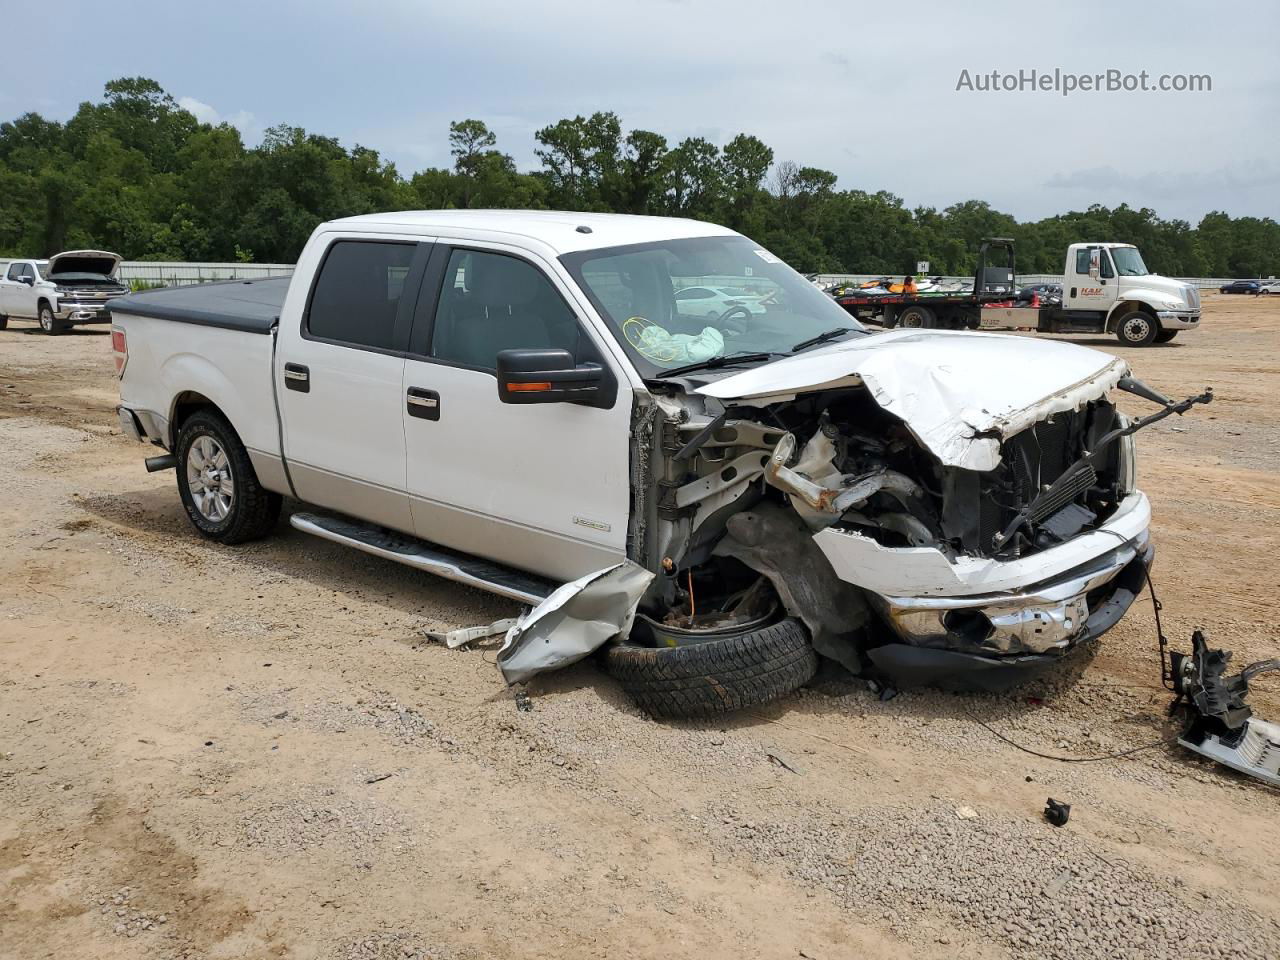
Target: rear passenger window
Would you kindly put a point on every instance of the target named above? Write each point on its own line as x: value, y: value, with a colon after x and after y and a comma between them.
x: 15, y: 271
x: 357, y: 295
x: 491, y: 302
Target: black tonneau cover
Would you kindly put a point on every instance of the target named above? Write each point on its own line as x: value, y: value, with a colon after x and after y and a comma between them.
x: 252, y: 306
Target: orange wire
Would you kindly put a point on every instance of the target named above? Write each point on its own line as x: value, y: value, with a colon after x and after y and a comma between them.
x: 692, y: 609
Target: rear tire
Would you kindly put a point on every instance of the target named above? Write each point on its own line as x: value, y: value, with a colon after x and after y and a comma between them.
x: 217, y: 483
x: 49, y: 323
x: 917, y: 318
x: 1164, y: 336
x: 716, y: 676
x: 1137, y: 329
x: 4, y: 322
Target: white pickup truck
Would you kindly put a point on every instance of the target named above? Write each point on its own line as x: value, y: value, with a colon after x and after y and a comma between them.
x: 517, y: 401
x: 64, y: 291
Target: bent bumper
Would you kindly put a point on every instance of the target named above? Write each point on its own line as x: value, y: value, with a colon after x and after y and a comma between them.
x: 992, y: 643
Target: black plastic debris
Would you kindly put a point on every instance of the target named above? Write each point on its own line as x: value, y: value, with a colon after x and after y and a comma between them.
x: 1057, y: 813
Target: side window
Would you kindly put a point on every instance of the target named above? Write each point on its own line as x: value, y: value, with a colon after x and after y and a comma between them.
x: 1082, y: 261
x: 357, y: 295
x: 1105, y: 270
x: 693, y: 293
x: 15, y: 271
x: 491, y: 302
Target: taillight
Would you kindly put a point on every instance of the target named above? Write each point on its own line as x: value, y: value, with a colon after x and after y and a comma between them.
x: 119, y: 349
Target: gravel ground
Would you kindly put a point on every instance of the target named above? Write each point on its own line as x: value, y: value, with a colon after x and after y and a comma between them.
x: 252, y: 752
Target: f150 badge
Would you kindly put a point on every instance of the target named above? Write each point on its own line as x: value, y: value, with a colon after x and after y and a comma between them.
x: 593, y: 524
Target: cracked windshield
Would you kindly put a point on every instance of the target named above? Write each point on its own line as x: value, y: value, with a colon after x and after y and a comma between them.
x: 690, y: 301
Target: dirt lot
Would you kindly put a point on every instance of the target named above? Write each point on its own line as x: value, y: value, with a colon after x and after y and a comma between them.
x: 252, y: 752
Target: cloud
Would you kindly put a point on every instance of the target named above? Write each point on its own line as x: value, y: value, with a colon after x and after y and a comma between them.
x: 242, y: 120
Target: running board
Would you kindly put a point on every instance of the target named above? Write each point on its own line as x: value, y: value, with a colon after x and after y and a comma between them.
x: 459, y: 567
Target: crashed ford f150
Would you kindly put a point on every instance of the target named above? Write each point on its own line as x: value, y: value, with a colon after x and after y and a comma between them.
x: 518, y: 401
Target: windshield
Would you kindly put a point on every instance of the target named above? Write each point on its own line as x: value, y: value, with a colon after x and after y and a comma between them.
x: 1129, y: 262
x: 686, y: 301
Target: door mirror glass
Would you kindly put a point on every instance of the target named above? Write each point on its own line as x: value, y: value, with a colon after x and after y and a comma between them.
x: 550, y: 375
x: 1095, y: 262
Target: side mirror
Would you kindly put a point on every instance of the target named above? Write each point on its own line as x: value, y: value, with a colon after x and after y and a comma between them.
x: 29, y: 281
x: 552, y: 376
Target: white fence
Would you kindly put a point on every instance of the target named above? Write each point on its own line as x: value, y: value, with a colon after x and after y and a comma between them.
x: 150, y: 273
x: 173, y: 274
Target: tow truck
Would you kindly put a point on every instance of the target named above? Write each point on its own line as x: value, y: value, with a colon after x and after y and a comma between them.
x: 1107, y: 288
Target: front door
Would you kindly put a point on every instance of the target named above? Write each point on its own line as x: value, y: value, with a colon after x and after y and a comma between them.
x: 541, y: 487
x: 1091, y: 284
x: 339, y: 381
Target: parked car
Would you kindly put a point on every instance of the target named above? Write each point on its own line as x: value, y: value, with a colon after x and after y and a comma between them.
x: 514, y: 400
x: 1270, y: 287
x: 713, y: 302
x: 64, y: 291
x: 1240, y: 286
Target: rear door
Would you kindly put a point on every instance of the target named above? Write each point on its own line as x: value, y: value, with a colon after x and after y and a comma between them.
x: 541, y: 487
x: 339, y: 382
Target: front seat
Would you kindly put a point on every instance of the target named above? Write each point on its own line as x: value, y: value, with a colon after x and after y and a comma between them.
x: 500, y: 312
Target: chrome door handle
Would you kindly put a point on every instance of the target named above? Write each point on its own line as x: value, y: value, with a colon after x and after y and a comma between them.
x: 297, y: 377
x: 422, y: 403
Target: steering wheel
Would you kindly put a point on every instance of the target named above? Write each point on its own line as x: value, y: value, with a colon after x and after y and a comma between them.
x: 734, y: 328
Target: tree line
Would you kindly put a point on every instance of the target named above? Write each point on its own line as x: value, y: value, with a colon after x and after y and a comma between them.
x: 137, y: 174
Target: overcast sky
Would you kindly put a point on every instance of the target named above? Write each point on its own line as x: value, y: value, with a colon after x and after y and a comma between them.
x: 865, y: 90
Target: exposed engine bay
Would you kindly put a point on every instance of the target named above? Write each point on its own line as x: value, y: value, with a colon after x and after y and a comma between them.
x: 746, y: 494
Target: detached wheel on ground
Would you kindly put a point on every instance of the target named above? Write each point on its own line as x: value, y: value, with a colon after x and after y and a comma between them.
x: 217, y: 483
x: 49, y: 323
x: 1137, y: 329
x: 1164, y: 336
x: 717, y: 675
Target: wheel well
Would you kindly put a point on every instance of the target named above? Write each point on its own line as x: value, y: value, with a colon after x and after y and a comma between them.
x: 1125, y: 307
x: 43, y: 302
x: 184, y: 405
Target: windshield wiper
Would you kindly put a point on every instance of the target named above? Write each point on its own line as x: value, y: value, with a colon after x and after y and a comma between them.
x: 822, y: 338
x: 712, y: 363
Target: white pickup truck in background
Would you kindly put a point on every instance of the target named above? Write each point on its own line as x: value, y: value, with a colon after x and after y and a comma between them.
x: 517, y: 401
x: 64, y: 291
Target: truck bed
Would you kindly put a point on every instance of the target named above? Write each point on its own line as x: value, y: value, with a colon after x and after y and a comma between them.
x: 250, y: 306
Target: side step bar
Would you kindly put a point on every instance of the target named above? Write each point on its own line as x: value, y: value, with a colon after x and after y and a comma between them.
x: 451, y: 565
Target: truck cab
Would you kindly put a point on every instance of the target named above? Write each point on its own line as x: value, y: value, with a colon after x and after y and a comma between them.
x: 1107, y: 286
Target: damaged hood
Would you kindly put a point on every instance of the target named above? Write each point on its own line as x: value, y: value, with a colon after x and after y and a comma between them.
x: 961, y: 394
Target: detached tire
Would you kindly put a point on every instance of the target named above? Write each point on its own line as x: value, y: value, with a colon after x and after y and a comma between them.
x: 217, y: 483
x: 718, y: 676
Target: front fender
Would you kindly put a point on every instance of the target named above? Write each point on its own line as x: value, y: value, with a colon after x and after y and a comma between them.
x: 1149, y: 301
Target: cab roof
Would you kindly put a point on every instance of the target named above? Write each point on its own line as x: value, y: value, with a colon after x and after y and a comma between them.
x: 555, y: 228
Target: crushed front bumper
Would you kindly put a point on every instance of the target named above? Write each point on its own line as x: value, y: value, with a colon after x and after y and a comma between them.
x: 994, y: 642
